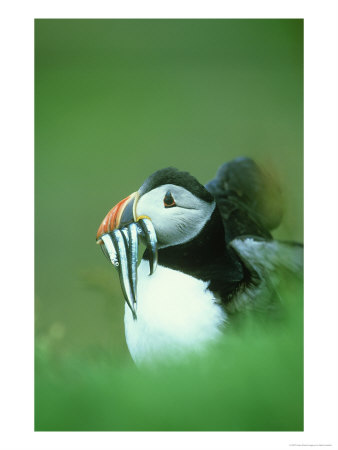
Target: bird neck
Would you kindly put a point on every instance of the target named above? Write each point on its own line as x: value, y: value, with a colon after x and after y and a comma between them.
x: 206, y: 257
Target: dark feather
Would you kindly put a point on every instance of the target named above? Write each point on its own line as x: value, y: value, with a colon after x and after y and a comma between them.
x: 249, y: 200
x: 170, y: 175
x: 207, y: 257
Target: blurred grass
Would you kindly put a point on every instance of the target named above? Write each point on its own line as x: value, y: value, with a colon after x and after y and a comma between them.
x: 116, y: 100
x: 252, y: 380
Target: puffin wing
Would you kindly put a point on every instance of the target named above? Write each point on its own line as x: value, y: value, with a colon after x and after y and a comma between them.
x: 249, y: 200
x: 269, y: 263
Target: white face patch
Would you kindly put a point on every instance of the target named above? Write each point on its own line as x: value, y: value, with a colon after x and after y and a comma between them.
x: 180, y: 223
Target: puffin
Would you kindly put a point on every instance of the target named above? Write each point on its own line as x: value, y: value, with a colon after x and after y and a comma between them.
x: 209, y: 255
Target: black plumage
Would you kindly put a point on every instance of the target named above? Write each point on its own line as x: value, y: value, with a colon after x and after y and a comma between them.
x: 249, y: 200
x: 170, y: 175
x: 207, y: 257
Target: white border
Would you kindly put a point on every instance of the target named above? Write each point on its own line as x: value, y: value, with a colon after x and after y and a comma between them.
x: 321, y: 75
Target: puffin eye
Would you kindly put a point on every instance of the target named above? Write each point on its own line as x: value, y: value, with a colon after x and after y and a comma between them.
x: 168, y: 200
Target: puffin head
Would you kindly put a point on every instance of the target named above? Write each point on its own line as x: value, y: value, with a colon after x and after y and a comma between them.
x: 170, y: 208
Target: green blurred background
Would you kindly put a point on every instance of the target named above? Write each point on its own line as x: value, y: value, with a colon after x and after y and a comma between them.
x: 116, y: 100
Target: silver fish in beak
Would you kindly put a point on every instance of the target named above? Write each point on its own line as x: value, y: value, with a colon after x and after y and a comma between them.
x: 118, y: 236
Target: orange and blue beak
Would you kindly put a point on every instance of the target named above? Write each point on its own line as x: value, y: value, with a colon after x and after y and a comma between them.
x: 120, y: 215
x: 118, y: 237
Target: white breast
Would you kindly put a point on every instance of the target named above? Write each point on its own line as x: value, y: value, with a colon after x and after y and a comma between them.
x: 176, y: 314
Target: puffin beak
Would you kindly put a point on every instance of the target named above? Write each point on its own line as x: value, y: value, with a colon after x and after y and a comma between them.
x: 118, y: 236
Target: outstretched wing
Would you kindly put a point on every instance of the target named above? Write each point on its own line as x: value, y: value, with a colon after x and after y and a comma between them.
x: 269, y: 263
x: 248, y: 199
x: 250, y: 203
